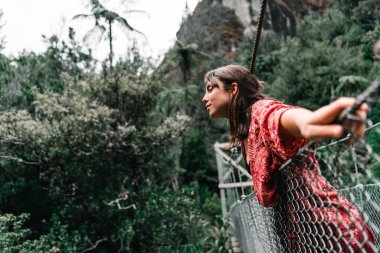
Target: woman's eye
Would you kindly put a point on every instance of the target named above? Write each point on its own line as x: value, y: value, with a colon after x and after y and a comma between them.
x: 210, y: 88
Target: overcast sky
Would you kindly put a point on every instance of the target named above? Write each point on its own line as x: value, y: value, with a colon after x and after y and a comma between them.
x: 25, y: 21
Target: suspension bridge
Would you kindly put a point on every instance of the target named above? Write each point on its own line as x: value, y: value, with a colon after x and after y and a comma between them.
x: 350, y: 170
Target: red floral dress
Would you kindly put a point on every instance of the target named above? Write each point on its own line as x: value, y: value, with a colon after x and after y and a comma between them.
x: 323, y: 208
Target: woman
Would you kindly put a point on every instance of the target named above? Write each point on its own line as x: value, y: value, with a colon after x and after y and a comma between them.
x: 270, y: 133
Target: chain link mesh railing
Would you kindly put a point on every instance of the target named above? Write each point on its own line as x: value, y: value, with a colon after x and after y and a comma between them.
x: 328, y: 201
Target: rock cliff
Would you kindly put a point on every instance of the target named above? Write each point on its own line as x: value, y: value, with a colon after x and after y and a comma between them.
x: 280, y: 17
x: 219, y: 25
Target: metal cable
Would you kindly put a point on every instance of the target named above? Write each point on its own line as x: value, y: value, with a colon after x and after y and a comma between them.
x: 258, y: 34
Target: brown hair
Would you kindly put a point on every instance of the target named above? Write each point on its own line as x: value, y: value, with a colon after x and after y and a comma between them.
x: 249, y: 91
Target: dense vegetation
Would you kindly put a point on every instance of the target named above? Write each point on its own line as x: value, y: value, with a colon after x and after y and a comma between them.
x: 120, y: 159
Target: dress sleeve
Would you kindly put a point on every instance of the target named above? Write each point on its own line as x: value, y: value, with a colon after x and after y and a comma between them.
x: 270, y: 112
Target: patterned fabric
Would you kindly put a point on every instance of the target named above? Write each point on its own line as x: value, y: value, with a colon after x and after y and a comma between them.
x: 321, y: 204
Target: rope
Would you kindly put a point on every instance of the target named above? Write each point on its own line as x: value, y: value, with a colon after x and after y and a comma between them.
x: 258, y: 34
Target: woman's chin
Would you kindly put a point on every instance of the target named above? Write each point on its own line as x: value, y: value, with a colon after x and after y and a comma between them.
x: 216, y: 114
x: 212, y: 114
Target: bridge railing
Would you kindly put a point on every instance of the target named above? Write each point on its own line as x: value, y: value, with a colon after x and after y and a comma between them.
x: 352, y: 168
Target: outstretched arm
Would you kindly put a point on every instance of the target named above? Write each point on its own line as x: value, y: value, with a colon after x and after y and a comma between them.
x: 318, y: 124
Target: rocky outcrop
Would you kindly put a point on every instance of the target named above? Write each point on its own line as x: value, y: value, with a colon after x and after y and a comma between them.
x: 213, y: 27
x: 280, y: 17
x: 218, y: 26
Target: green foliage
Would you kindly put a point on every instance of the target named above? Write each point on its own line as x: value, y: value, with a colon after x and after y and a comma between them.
x: 218, y: 236
x: 42, y: 71
x: 308, y: 76
x: 5, y: 77
x: 170, y: 215
x: 309, y: 68
x: 14, y: 237
x: 348, y: 85
x: 105, y: 160
x: 66, y: 145
x: 329, y: 56
x: 267, y: 56
x: 12, y: 232
x: 87, y: 168
x: 373, y: 140
x: 194, y: 158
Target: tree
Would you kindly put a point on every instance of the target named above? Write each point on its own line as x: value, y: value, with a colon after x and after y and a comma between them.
x: 185, y: 55
x: 19, y: 75
x: 2, y: 40
x: 104, y: 21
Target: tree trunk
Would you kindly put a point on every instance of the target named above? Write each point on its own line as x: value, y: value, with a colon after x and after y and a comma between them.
x: 115, y: 80
x: 110, y: 43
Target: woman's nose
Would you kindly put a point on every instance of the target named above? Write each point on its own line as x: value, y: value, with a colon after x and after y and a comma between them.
x: 204, y: 99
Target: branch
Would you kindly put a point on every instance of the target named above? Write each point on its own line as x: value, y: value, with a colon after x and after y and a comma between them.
x: 19, y: 160
x: 123, y: 196
x: 95, y: 245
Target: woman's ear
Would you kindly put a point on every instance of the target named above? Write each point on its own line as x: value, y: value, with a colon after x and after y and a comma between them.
x: 234, y: 88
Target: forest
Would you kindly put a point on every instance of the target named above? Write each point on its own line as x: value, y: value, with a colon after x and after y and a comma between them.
x: 120, y: 158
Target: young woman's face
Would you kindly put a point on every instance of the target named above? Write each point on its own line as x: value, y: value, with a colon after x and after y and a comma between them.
x: 216, y: 99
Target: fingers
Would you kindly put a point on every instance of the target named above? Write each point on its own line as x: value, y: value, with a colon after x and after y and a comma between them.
x: 358, y: 130
x: 358, y: 127
x: 364, y: 108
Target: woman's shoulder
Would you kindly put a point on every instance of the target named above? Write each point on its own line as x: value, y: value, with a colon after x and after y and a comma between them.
x: 261, y: 104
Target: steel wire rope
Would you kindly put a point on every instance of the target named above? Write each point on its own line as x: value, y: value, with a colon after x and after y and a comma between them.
x: 258, y: 35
